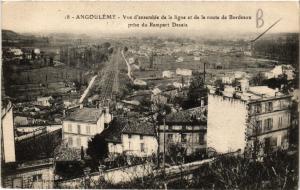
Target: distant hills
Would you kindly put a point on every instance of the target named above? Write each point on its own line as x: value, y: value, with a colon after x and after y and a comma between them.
x: 11, y: 38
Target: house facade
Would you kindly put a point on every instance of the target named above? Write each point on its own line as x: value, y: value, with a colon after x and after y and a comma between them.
x: 186, y: 128
x: 83, y: 124
x: 38, y: 174
x: 139, y: 138
x: 260, y: 114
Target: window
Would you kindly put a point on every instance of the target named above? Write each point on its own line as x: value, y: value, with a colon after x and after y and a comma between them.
x: 37, y: 178
x: 267, y: 144
x: 70, y: 127
x: 88, y: 129
x: 273, y: 142
x: 129, y: 136
x: 269, y: 106
x: 141, y: 137
x: 78, y: 129
x: 280, y: 122
x: 142, y: 147
x: 170, y: 137
x: 70, y: 141
x: 258, y: 127
x: 257, y: 108
x: 268, y: 124
x: 201, y: 138
x: 183, y: 127
x: 183, y: 138
x: 78, y: 142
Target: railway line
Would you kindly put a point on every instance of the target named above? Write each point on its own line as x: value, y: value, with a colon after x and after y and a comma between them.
x: 109, y: 83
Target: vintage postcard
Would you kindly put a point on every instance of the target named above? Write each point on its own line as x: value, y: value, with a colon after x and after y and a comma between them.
x: 149, y: 95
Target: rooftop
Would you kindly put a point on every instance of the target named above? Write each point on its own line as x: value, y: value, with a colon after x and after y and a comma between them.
x: 263, y: 90
x: 115, y: 129
x: 87, y: 115
x: 135, y: 126
x: 186, y: 116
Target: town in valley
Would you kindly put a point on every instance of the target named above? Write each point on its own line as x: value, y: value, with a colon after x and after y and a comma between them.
x: 149, y: 111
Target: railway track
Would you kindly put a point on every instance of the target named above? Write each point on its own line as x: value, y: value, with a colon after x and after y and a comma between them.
x: 109, y: 78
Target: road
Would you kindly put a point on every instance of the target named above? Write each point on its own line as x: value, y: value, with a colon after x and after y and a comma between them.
x: 128, y: 66
x: 85, y: 93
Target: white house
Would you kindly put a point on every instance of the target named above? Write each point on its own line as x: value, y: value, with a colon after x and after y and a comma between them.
x: 139, y: 82
x: 16, y: 51
x: 179, y: 59
x: 279, y: 70
x: 139, y: 138
x: 167, y: 74
x: 131, y: 137
x: 184, y: 72
x: 7, y: 133
x: 177, y: 84
x: 84, y: 123
x: 228, y: 79
x: 37, y: 51
x: 196, y: 58
x: 44, y: 101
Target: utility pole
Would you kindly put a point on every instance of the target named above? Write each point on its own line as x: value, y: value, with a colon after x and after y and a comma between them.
x: 164, y: 152
x: 204, y: 72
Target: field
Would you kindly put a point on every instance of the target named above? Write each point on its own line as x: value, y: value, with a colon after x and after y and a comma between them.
x: 225, y: 64
x: 29, y: 83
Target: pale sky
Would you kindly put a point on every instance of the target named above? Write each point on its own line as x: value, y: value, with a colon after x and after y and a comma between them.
x: 50, y: 16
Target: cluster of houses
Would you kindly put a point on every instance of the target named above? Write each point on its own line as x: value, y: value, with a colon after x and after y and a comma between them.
x: 233, y: 119
x: 18, y: 53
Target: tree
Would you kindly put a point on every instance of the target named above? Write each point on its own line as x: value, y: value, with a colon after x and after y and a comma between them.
x: 197, y: 90
x: 97, y: 148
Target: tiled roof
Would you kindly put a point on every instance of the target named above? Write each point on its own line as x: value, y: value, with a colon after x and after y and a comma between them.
x: 88, y: 115
x: 115, y: 129
x: 135, y: 126
x: 185, y: 116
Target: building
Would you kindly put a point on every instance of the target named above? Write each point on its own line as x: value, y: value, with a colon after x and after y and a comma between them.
x: 37, y: 174
x: 113, y: 135
x: 84, y: 123
x: 139, y: 138
x: 44, y: 101
x: 179, y: 59
x: 7, y: 133
x: 131, y: 137
x: 139, y: 82
x: 235, y: 121
x: 186, y: 128
x: 279, y: 70
x: 167, y: 74
x: 228, y: 79
x: 184, y: 72
x: 196, y: 58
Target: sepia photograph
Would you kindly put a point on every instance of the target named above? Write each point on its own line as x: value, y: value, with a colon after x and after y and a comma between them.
x: 150, y: 95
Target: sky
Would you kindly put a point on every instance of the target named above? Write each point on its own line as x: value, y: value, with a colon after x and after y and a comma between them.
x: 49, y: 17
